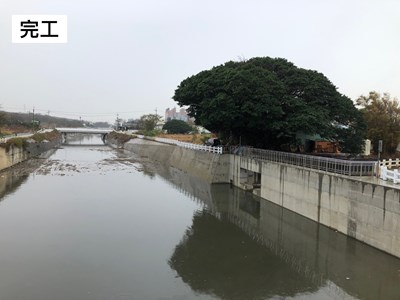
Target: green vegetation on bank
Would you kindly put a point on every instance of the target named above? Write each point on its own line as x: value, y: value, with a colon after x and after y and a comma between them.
x: 151, y: 133
x: 49, y: 136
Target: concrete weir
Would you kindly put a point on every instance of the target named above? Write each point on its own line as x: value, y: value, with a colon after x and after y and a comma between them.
x: 364, y: 208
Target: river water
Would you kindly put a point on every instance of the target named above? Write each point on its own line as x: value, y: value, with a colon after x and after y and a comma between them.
x: 93, y: 222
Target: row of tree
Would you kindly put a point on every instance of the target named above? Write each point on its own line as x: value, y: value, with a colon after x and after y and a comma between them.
x: 266, y: 102
x: 149, y: 122
x: 29, y: 119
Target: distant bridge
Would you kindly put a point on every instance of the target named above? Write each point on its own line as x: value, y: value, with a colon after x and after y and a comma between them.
x: 72, y: 131
x: 84, y: 130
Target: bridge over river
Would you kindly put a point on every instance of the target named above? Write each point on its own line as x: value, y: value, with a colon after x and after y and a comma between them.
x: 85, y: 130
x: 72, y: 131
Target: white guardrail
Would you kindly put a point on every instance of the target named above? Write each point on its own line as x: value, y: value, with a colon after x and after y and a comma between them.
x: 200, y: 147
x: 393, y: 175
x: 390, y: 163
x: 212, y: 149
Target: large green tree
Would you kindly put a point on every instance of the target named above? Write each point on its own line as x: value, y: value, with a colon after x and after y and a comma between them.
x: 266, y: 101
x: 382, y: 114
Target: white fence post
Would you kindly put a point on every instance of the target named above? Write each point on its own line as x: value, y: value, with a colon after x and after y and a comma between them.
x: 211, y: 149
x: 383, y: 163
x: 383, y: 170
x: 396, y: 176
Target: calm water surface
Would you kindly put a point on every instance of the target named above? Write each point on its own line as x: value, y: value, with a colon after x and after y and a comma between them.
x: 95, y: 223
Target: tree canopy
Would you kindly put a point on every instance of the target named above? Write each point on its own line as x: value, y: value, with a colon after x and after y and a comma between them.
x: 177, y: 126
x: 266, y: 101
x: 382, y: 115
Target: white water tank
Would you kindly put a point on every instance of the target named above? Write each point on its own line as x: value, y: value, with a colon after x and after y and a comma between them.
x: 367, y: 147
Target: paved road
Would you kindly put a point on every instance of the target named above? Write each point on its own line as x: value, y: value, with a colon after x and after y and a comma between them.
x: 22, y: 134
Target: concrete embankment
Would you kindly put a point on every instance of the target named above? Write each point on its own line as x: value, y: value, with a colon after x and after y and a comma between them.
x: 366, y: 209
x: 211, y: 167
x: 13, y: 154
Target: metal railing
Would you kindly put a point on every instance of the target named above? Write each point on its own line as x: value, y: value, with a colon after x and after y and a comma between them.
x: 327, y: 164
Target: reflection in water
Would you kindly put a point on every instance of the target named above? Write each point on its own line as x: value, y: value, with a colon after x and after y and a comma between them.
x: 96, y: 223
x: 218, y: 258
x: 250, y: 248
x: 79, y: 139
x: 10, y: 181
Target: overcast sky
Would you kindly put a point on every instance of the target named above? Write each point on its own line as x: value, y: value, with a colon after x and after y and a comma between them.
x: 128, y: 57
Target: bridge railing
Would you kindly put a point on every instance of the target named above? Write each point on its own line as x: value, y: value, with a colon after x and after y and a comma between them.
x: 327, y: 164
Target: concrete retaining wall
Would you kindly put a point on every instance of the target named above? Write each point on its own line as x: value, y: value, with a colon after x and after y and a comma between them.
x: 12, y: 157
x: 16, y: 155
x: 367, y: 211
x: 211, y: 167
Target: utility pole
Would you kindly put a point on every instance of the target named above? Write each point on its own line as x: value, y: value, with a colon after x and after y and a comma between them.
x: 117, y: 125
x: 33, y: 115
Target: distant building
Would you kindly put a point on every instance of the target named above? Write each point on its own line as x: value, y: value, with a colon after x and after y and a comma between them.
x: 173, y: 114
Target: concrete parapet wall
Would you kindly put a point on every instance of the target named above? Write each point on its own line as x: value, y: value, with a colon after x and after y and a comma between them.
x: 367, y: 211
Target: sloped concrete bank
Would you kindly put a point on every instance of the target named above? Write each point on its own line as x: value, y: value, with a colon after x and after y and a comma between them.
x: 210, y: 167
x: 16, y: 154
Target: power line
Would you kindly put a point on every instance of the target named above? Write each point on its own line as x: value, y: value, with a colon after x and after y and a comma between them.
x: 80, y: 114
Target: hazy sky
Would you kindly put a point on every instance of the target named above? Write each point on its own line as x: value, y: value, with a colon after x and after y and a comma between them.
x: 128, y: 57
